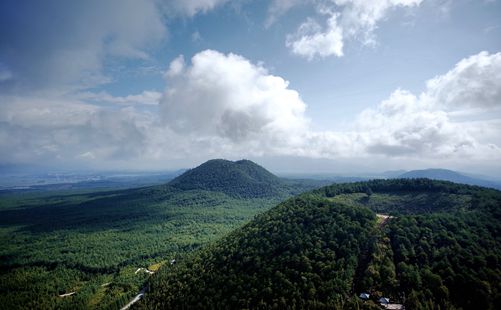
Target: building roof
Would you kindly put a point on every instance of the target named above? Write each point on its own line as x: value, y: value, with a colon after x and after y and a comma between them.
x: 384, y: 300
x: 364, y: 295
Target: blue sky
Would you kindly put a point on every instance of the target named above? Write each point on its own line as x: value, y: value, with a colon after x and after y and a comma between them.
x: 354, y: 85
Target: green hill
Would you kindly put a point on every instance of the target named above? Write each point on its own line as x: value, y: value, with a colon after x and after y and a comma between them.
x: 241, y: 178
x: 440, y: 249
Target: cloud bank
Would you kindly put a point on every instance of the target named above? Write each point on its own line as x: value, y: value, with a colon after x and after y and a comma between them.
x: 227, y: 97
x: 223, y: 105
x: 450, y: 119
x: 64, y: 44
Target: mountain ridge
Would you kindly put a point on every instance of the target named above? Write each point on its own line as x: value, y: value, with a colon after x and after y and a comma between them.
x: 448, y: 175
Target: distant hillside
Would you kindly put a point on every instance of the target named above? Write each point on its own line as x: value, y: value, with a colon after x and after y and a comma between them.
x: 439, y: 249
x: 448, y: 175
x: 393, y: 173
x: 242, y: 178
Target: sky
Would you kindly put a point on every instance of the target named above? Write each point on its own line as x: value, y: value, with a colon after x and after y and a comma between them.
x: 335, y: 86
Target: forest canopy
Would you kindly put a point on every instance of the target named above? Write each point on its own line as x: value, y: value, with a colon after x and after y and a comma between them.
x: 437, y: 246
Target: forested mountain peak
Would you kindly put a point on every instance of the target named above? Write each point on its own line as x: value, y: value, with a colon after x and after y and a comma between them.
x: 242, y: 178
x: 422, y: 243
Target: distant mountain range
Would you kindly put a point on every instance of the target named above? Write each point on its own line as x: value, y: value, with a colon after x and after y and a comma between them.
x: 447, y: 175
x: 242, y: 178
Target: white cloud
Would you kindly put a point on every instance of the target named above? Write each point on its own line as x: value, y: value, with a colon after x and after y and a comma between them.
x: 217, y: 106
x: 175, y: 67
x: 63, y: 130
x: 360, y: 17
x: 229, y: 97
x: 404, y: 125
x: 473, y: 83
x: 147, y: 97
x: 310, y: 40
x: 193, y: 7
x: 441, y: 121
x: 346, y: 20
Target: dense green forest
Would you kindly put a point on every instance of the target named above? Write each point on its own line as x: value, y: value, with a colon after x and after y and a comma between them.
x: 437, y: 246
x: 60, y: 244
x: 92, y: 243
x: 426, y: 244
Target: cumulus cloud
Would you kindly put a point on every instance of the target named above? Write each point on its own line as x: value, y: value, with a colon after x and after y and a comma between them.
x: 404, y: 125
x: 346, y: 20
x: 217, y: 105
x: 440, y: 121
x: 473, y: 83
x: 310, y: 40
x: 229, y: 97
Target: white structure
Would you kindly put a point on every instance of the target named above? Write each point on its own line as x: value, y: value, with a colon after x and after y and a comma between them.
x: 384, y: 301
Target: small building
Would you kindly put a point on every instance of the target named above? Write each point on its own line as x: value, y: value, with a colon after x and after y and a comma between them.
x: 384, y: 301
x: 173, y: 261
x: 364, y: 296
